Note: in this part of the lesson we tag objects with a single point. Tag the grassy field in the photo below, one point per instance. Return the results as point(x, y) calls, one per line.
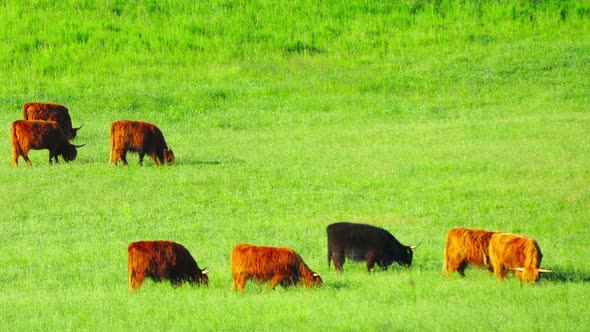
point(415, 116)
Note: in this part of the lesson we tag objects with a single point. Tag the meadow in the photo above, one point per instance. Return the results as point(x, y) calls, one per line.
point(286, 116)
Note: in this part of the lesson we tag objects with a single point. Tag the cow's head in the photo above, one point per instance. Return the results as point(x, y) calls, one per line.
point(315, 280)
point(201, 277)
point(168, 156)
point(70, 152)
point(74, 132)
point(407, 255)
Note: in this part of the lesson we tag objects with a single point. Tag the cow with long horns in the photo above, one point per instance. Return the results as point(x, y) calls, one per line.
point(38, 135)
point(466, 246)
point(162, 260)
point(279, 265)
point(141, 137)
point(518, 253)
point(51, 112)
point(361, 242)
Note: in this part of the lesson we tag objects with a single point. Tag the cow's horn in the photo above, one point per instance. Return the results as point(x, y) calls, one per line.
point(205, 271)
point(517, 269)
point(79, 146)
point(316, 274)
point(78, 127)
point(416, 246)
point(544, 270)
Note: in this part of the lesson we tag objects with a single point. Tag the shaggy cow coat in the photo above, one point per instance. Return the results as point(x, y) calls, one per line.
point(51, 112)
point(464, 246)
point(38, 135)
point(162, 260)
point(511, 251)
point(361, 242)
point(140, 137)
point(279, 265)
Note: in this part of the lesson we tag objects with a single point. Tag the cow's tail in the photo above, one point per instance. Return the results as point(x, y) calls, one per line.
point(446, 255)
point(15, 145)
point(112, 144)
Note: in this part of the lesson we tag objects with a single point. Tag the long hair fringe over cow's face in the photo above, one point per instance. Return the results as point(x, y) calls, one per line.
point(168, 156)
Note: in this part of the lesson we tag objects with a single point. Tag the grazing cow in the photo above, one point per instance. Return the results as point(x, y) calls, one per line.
point(51, 112)
point(518, 253)
point(162, 260)
point(141, 137)
point(39, 135)
point(368, 243)
point(465, 246)
point(280, 265)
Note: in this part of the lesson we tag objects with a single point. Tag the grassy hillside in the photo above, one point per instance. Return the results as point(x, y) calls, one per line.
point(415, 116)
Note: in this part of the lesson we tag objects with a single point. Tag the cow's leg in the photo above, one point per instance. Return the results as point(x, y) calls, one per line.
point(276, 280)
point(123, 156)
point(338, 259)
point(15, 154)
point(370, 261)
point(155, 159)
point(239, 282)
point(141, 155)
point(461, 268)
point(26, 158)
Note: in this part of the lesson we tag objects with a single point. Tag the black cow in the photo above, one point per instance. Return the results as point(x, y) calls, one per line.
point(368, 243)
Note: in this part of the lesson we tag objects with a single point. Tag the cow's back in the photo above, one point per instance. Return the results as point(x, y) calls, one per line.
point(357, 239)
point(50, 112)
point(36, 134)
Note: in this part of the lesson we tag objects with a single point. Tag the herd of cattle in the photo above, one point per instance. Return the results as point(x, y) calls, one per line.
point(498, 252)
point(49, 126)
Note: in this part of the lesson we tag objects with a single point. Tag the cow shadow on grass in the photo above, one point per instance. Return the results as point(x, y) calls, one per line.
point(198, 162)
point(564, 276)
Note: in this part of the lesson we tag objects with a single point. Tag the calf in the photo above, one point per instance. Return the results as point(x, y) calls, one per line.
point(38, 135)
point(162, 260)
point(280, 265)
point(141, 137)
point(361, 242)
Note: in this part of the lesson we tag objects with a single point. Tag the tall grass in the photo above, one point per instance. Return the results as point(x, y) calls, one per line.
point(416, 116)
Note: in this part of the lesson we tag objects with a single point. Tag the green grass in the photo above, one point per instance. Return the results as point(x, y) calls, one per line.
point(416, 116)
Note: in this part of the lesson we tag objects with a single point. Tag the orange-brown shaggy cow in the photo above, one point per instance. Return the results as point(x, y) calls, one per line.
point(518, 253)
point(279, 265)
point(162, 260)
point(51, 112)
point(465, 246)
point(38, 135)
point(141, 137)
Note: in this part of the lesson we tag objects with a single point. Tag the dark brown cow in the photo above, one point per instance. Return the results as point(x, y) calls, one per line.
point(361, 242)
point(464, 246)
point(38, 135)
point(162, 260)
point(141, 137)
point(518, 253)
point(51, 112)
point(280, 265)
